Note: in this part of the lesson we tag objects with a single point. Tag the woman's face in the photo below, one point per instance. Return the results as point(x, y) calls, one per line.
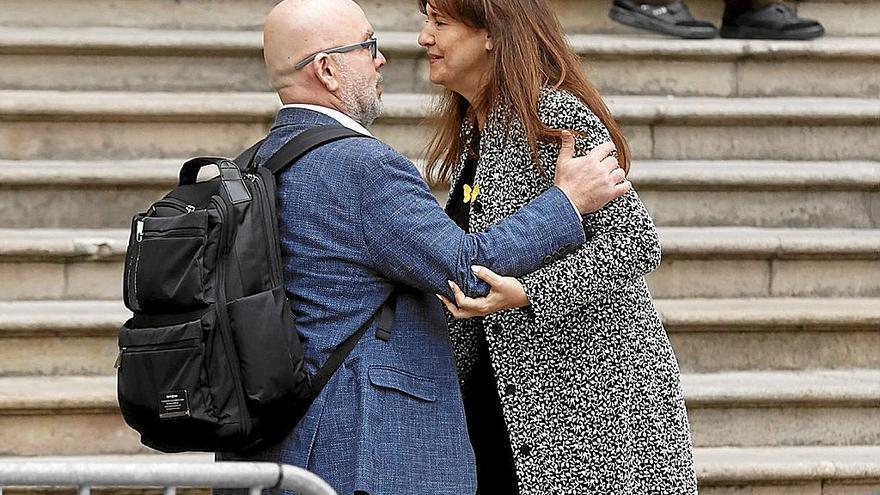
point(458, 54)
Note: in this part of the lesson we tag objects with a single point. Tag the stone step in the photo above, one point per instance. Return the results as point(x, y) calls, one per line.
point(852, 18)
point(55, 338)
point(61, 415)
point(722, 262)
point(132, 59)
point(721, 471)
point(788, 470)
point(81, 194)
point(52, 338)
point(61, 264)
point(760, 193)
point(780, 408)
point(49, 264)
point(101, 194)
point(714, 335)
point(126, 125)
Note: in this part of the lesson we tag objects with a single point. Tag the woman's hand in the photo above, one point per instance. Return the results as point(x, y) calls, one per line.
point(505, 293)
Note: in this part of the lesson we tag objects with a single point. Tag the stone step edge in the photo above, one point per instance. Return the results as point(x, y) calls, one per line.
point(768, 243)
point(765, 389)
point(769, 314)
point(714, 465)
point(66, 245)
point(43, 319)
point(654, 174)
point(722, 465)
point(32, 105)
point(103, 318)
point(138, 41)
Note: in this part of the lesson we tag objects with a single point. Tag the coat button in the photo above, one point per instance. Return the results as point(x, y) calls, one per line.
point(525, 450)
point(477, 207)
point(510, 389)
point(495, 328)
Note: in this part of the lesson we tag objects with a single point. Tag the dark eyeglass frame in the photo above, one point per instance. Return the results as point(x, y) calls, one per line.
point(372, 44)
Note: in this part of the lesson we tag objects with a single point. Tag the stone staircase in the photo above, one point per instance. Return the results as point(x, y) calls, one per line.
point(757, 159)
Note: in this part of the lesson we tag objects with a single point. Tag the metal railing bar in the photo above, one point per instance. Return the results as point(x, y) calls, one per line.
point(170, 490)
point(254, 475)
point(293, 478)
point(220, 475)
point(84, 490)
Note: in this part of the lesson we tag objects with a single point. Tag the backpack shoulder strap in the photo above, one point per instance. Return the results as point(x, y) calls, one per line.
point(246, 159)
point(305, 142)
point(283, 158)
point(337, 357)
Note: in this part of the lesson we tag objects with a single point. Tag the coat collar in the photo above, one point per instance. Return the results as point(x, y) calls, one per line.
point(333, 113)
point(311, 115)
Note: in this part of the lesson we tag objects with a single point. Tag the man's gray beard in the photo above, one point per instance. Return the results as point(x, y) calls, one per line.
point(359, 97)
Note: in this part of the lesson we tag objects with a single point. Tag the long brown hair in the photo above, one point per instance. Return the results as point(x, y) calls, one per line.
point(530, 52)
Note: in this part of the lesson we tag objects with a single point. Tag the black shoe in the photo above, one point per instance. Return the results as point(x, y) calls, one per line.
point(774, 22)
point(673, 19)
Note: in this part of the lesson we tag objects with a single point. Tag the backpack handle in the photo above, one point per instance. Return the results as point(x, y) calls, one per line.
point(230, 174)
point(189, 173)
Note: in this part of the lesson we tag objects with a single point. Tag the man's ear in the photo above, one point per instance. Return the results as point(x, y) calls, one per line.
point(325, 70)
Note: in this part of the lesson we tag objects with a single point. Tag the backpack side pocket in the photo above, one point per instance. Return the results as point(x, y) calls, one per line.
point(165, 266)
point(269, 351)
point(163, 380)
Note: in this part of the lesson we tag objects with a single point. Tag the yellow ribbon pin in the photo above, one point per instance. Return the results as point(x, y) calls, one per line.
point(471, 193)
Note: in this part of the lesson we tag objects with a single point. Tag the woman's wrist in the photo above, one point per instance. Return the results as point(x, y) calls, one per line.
point(520, 299)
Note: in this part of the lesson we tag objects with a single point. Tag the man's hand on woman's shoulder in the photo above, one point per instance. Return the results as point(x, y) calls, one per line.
point(590, 181)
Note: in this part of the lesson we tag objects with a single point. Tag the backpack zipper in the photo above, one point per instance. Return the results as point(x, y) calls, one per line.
point(272, 224)
point(133, 266)
point(172, 233)
point(175, 203)
point(223, 316)
point(171, 346)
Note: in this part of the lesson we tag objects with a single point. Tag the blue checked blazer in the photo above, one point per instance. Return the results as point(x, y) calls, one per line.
point(357, 219)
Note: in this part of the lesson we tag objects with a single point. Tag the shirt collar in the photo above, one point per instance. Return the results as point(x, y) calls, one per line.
point(334, 114)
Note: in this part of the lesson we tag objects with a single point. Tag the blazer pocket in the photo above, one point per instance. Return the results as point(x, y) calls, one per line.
point(415, 386)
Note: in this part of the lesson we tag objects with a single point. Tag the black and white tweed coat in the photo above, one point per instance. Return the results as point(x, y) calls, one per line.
point(589, 384)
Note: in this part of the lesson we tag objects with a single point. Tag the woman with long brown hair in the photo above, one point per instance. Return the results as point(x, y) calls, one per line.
point(578, 390)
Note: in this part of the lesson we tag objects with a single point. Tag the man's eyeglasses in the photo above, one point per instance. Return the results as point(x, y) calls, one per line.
point(371, 43)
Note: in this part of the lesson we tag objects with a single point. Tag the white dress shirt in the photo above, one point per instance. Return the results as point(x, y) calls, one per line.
point(334, 114)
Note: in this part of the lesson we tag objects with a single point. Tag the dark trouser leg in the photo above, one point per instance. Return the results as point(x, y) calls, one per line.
point(746, 5)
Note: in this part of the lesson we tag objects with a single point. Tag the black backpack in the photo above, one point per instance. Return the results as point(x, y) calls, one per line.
point(210, 360)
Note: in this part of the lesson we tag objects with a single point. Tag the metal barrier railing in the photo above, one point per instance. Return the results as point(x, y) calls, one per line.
point(254, 476)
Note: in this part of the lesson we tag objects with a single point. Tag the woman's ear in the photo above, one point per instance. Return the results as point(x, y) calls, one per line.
point(490, 43)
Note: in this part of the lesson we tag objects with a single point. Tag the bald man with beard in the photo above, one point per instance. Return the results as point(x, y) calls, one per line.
point(358, 224)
